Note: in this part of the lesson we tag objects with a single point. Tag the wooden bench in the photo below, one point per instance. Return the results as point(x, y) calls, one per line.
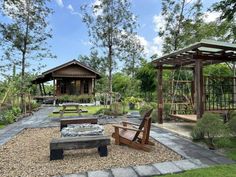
point(65, 122)
point(57, 146)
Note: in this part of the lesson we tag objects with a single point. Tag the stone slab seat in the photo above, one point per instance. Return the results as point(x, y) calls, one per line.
point(64, 122)
point(58, 145)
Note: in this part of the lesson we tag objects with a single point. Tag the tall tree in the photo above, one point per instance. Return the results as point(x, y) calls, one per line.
point(134, 55)
point(147, 74)
point(109, 23)
point(94, 61)
point(25, 33)
point(178, 15)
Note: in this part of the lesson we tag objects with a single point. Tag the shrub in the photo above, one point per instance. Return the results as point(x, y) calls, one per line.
point(9, 116)
point(232, 125)
point(116, 109)
point(211, 127)
point(74, 98)
point(101, 111)
point(144, 109)
point(16, 111)
point(154, 116)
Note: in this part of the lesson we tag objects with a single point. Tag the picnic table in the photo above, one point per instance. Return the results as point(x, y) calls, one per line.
point(66, 105)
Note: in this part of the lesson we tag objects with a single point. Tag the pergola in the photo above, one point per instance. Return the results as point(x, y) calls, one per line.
point(193, 57)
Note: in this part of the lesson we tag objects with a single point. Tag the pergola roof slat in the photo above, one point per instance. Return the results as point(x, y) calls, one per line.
point(205, 49)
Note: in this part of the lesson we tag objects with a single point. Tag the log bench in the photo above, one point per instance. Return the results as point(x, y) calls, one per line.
point(57, 146)
point(65, 122)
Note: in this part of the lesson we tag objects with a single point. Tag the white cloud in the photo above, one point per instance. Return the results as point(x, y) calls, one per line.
point(150, 48)
point(98, 11)
point(210, 16)
point(159, 22)
point(60, 3)
point(70, 7)
point(72, 10)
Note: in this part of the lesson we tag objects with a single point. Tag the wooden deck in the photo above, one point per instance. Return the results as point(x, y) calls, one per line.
point(189, 117)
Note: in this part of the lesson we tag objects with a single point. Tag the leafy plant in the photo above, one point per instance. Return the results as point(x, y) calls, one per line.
point(211, 127)
point(232, 125)
point(144, 109)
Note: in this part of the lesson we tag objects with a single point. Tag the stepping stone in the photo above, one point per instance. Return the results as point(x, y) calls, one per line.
point(203, 162)
point(186, 164)
point(221, 160)
point(99, 173)
point(75, 175)
point(123, 172)
point(146, 170)
point(167, 167)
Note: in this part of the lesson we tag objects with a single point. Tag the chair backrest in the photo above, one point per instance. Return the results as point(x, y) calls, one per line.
point(145, 117)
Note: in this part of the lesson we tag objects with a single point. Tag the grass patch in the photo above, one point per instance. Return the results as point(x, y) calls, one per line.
point(229, 147)
point(217, 171)
point(2, 126)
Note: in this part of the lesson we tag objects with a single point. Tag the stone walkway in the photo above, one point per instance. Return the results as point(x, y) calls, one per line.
point(194, 156)
point(38, 119)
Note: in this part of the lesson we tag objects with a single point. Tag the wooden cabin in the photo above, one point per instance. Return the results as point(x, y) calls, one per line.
point(72, 78)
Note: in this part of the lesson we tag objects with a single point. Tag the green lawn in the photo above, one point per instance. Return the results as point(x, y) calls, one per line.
point(2, 126)
point(217, 171)
point(230, 148)
point(91, 111)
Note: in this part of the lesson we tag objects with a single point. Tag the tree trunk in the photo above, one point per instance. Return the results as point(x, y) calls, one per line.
point(24, 51)
point(110, 73)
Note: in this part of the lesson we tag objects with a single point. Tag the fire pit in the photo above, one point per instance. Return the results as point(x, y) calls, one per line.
point(82, 130)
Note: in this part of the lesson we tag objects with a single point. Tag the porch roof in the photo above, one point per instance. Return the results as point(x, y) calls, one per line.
point(209, 51)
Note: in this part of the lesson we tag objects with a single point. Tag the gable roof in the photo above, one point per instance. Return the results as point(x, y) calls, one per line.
point(48, 75)
point(74, 61)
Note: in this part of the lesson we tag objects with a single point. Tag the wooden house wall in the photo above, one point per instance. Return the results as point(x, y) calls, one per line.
point(73, 70)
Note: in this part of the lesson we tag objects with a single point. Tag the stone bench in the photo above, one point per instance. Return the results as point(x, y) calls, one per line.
point(65, 122)
point(57, 146)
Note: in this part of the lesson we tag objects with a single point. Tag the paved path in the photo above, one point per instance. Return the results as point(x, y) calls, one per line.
point(194, 156)
point(38, 119)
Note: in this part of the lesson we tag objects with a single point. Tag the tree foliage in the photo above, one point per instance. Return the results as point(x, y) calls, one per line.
point(182, 20)
point(25, 35)
point(109, 23)
point(147, 74)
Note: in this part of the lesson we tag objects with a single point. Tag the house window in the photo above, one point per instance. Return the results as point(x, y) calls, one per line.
point(86, 87)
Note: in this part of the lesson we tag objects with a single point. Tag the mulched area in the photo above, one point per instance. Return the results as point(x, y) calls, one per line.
point(27, 154)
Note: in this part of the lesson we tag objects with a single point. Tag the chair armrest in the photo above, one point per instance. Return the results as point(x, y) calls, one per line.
point(130, 123)
point(127, 128)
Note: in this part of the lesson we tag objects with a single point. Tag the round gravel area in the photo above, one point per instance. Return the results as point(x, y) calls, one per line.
point(27, 154)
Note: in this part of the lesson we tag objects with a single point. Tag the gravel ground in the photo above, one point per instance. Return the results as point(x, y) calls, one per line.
point(27, 154)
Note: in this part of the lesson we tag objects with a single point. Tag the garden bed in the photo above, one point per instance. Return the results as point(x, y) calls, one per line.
point(27, 154)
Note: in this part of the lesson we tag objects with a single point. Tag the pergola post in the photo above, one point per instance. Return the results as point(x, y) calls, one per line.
point(159, 96)
point(198, 78)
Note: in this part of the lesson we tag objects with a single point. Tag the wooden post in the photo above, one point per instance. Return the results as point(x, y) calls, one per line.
point(198, 88)
point(159, 96)
point(40, 88)
point(54, 93)
point(44, 92)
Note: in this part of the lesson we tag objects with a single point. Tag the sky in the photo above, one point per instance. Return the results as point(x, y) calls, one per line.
point(70, 34)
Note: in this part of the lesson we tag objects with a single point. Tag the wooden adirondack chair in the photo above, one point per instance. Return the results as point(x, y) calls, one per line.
point(133, 137)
